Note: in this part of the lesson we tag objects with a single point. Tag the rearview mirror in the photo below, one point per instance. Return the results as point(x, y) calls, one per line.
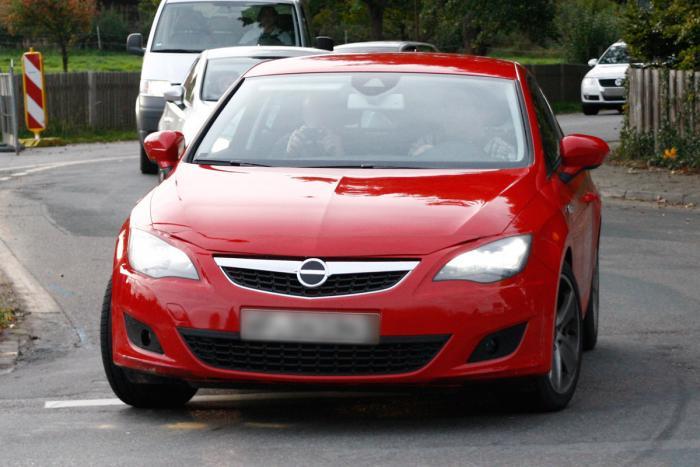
point(582, 152)
point(592, 62)
point(175, 95)
point(134, 44)
point(165, 148)
point(325, 43)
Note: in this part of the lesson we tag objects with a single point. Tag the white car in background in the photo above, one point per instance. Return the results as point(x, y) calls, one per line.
point(187, 106)
point(603, 87)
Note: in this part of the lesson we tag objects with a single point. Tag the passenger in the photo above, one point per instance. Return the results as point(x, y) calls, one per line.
point(464, 129)
point(266, 31)
point(315, 138)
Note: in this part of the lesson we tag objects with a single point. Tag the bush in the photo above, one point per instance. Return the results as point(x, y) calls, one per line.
point(587, 28)
point(113, 29)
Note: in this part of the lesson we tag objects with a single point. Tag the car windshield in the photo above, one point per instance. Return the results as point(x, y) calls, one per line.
point(380, 120)
point(221, 73)
point(193, 27)
point(615, 55)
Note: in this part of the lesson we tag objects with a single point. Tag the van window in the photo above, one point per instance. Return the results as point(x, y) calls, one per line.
point(196, 26)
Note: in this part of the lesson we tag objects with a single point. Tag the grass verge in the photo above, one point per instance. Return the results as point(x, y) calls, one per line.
point(566, 107)
point(9, 307)
point(78, 136)
point(78, 60)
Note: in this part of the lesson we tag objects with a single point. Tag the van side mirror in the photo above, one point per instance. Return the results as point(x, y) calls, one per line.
point(592, 62)
point(165, 148)
point(325, 43)
point(134, 44)
point(175, 95)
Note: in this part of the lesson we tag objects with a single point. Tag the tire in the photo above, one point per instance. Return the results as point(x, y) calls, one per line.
point(554, 390)
point(590, 322)
point(589, 109)
point(147, 167)
point(151, 396)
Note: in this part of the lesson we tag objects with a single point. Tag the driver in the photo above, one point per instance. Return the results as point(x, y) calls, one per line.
point(266, 32)
point(315, 138)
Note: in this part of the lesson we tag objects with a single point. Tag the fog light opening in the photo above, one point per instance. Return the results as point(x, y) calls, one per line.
point(141, 336)
point(498, 344)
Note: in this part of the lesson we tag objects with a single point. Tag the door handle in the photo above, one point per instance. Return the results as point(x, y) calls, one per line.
point(590, 197)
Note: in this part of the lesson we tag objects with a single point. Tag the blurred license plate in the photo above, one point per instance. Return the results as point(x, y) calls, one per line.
point(312, 327)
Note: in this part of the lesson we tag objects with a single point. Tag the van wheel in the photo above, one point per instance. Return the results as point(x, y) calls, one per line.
point(152, 396)
point(147, 167)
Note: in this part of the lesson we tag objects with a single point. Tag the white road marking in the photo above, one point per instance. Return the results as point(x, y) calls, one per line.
point(215, 398)
point(4, 179)
point(55, 165)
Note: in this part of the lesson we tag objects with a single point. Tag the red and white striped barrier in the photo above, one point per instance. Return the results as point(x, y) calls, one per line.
point(35, 115)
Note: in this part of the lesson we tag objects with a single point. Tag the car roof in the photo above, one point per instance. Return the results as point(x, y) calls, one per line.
point(234, 1)
point(378, 44)
point(437, 63)
point(271, 51)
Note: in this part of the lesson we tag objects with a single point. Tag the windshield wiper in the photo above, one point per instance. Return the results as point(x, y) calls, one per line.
point(233, 163)
point(178, 51)
point(362, 166)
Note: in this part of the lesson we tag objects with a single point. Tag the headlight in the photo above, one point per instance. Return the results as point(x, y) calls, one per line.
point(589, 82)
point(153, 257)
point(154, 88)
point(489, 263)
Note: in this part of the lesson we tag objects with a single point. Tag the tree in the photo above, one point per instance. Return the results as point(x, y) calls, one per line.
point(587, 27)
point(61, 21)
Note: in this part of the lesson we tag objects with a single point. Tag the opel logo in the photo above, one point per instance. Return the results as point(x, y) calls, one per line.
point(312, 273)
point(619, 82)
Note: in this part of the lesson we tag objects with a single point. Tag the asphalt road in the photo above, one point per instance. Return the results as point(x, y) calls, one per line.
point(637, 401)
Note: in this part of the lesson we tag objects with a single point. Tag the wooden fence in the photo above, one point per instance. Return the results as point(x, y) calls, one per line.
point(106, 100)
point(657, 97)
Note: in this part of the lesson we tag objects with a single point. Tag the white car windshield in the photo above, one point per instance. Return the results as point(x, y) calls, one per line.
point(222, 72)
point(193, 27)
point(615, 55)
point(370, 120)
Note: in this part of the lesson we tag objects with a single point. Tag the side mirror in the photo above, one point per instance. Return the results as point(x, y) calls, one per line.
point(134, 44)
point(325, 43)
point(582, 152)
point(175, 95)
point(165, 148)
point(592, 62)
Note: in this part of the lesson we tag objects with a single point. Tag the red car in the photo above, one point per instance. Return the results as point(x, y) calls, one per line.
point(361, 220)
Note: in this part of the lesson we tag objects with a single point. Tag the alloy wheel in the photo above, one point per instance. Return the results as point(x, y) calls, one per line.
point(567, 338)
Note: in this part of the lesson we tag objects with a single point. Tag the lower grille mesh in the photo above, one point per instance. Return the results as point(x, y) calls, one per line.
point(393, 355)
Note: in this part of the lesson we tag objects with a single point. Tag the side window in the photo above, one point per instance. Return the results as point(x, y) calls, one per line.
point(191, 82)
point(547, 124)
point(306, 27)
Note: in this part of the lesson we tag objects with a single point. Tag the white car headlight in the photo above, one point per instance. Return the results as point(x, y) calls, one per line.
point(154, 88)
point(589, 82)
point(156, 258)
point(492, 262)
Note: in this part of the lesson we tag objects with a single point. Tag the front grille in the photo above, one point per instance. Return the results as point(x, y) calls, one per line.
point(338, 284)
point(393, 355)
point(609, 83)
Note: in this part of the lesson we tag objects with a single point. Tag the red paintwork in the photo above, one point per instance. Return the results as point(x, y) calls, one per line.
point(583, 151)
point(165, 148)
point(431, 215)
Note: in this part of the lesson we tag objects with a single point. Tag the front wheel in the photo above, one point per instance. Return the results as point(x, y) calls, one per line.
point(589, 109)
point(554, 390)
point(590, 322)
point(153, 396)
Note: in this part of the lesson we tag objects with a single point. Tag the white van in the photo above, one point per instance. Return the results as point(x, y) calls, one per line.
point(182, 29)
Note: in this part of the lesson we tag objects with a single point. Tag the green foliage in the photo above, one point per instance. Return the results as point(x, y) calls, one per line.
point(113, 29)
point(587, 27)
point(147, 11)
point(665, 32)
point(668, 149)
point(81, 60)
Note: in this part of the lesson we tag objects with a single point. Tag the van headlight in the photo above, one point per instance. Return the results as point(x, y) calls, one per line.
point(156, 258)
point(492, 262)
point(154, 88)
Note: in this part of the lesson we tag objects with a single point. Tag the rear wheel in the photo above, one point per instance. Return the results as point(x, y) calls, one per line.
point(554, 390)
point(147, 167)
point(142, 395)
point(589, 109)
point(590, 323)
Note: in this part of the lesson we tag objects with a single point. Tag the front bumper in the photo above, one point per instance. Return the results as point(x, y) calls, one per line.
point(596, 94)
point(149, 109)
point(464, 312)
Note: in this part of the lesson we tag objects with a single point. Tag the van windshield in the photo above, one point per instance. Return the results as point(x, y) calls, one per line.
point(196, 26)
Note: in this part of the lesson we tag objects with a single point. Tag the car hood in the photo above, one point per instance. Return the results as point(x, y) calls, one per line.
point(332, 212)
point(608, 71)
point(172, 67)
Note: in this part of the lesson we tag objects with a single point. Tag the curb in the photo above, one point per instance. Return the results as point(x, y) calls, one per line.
point(689, 200)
